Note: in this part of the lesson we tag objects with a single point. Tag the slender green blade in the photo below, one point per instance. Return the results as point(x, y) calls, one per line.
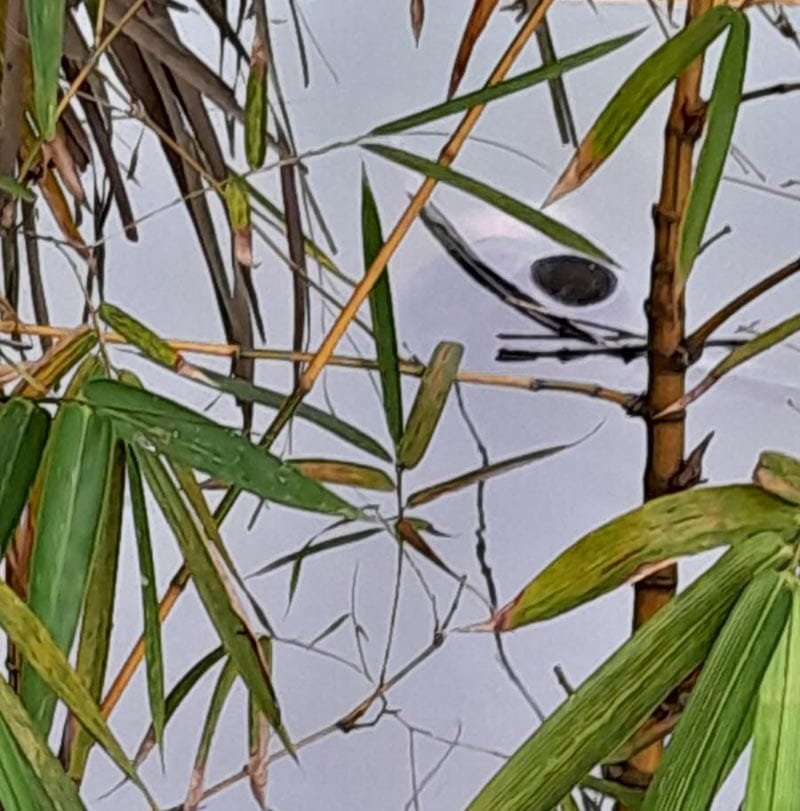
point(660, 531)
point(175, 698)
point(95, 636)
point(736, 357)
point(617, 698)
point(255, 105)
point(721, 118)
point(382, 311)
point(543, 223)
point(215, 593)
point(16, 190)
point(46, 33)
point(140, 336)
point(692, 769)
point(154, 659)
point(44, 658)
point(23, 433)
point(48, 780)
point(55, 363)
point(20, 790)
point(275, 399)
point(437, 380)
point(146, 420)
point(69, 522)
point(507, 87)
point(773, 782)
point(637, 93)
point(481, 474)
point(219, 696)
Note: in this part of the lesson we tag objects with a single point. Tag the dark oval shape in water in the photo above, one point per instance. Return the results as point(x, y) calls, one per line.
point(573, 280)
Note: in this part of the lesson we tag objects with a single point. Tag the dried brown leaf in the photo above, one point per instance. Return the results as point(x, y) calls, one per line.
point(478, 18)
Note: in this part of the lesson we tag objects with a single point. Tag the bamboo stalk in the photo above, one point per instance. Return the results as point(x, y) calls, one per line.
point(666, 346)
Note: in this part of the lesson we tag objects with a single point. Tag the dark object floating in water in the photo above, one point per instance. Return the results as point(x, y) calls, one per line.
point(573, 280)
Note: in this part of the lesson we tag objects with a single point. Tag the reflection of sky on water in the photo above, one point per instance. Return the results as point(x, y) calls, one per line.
point(533, 513)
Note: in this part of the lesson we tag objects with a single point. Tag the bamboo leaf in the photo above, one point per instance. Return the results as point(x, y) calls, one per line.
point(479, 16)
point(69, 522)
point(382, 311)
point(417, 9)
point(721, 118)
point(146, 420)
point(637, 93)
point(255, 105)
point(98, 610)
point(437, 380)
point(345, 473)
point(237, 203)
point(46, 32)
point(616, 699)
point(635, 543)
point(140, 336)
point(258, 741)
point(741, 354)
point(691, 772)
point(176, 696)
point(90, 367)
point(407, 532)
point(150, 608)
point(779, 474)
point(55, 363)
point(215, 593)
point(49, 780)
point(483, 473)
point(322, 419)
point(16, 190)
point(43, 657)
point(543, 223)
point(773, 782)
point(20, 789)
point(629, 797)
point(23, 433)
point(321, 546)
point(507, 87)
point(218, 697)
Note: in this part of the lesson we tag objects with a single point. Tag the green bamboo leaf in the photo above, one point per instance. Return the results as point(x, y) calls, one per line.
point(633, 544)
point(98, 610)
point(69, 522)
point(480, 474)
point(48, 781)
point(140, 336)
point(175, 697)
point(721, 118)
point(437, 380)
point(350, 474)
point(90, 367)
point(736, 357)
point(274, 399)
point(779, 474)
point(154, 659)
point(507, 87)
point(55, 363)
point(546, 225)
point(218, 698)
point(146, 420)
point(44, 658)
point(16, 190)
point(309, 549)
point(46, 33)
point(773, 782)
point(569, 804)
point(215, 593)
point(617, 698)
point(629, 797)
point(23, 433)
point(237, 202)
point(255, 105)
point(382, 311)
point(20, 789)
point(637, 93)
point(691, 772)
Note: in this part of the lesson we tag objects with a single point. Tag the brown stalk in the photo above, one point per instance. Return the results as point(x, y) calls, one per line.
point(666, 347)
